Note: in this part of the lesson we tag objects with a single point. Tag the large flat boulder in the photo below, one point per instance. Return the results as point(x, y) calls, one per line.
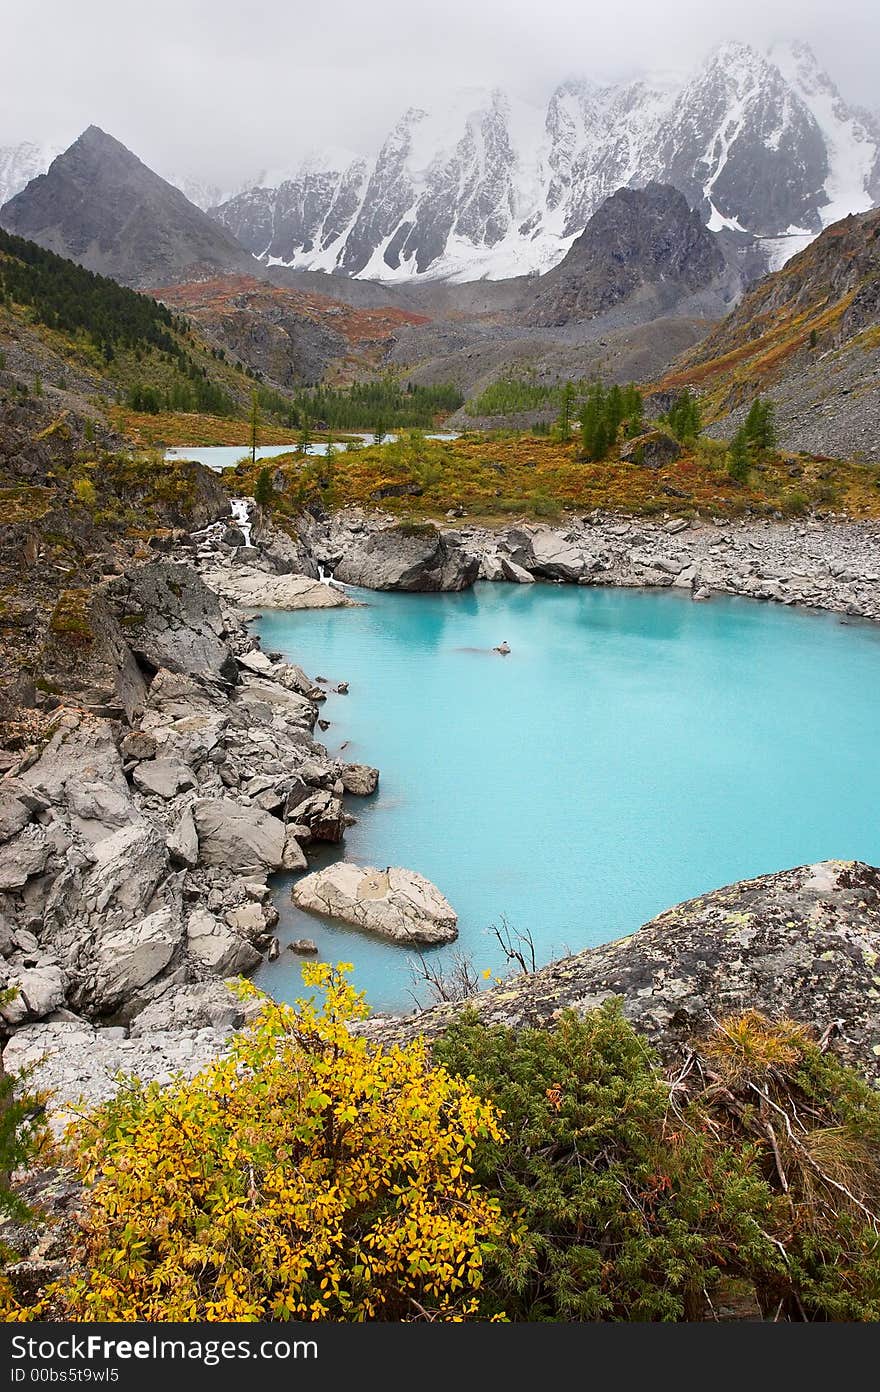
point(394, 903)
point(259, 589)
point(238, 837)
point(408, 557)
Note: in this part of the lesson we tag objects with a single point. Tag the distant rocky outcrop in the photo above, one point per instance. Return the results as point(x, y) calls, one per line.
point(643, 248)
point(100, 206)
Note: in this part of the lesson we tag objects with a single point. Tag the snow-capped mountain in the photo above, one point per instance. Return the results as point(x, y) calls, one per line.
point(21, 163)
point(492, 187)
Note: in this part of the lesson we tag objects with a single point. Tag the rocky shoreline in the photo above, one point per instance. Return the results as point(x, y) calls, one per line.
point(138, 838)
point(137, 842)
point(832, 564)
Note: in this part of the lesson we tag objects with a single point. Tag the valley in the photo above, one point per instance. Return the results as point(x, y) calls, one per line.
point(440, 559)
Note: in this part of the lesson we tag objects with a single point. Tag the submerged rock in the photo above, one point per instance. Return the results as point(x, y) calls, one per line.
point(397, 904)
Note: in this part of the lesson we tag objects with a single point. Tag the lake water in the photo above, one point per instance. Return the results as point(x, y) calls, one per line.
point(634, 750)
point(218, 457)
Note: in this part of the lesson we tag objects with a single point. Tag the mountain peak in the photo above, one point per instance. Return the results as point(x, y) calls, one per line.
point(99, 205)
point(644, 248)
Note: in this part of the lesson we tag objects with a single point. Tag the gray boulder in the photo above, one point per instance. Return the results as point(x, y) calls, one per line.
point(24, 856)
point(171, 619)
point(163, 778)
point(514, 573)
point(218, 947)
point(408, 557)
point(653, 450)
point(183, 841)
point(394, 903)
point(359, 779)
point(14, 811)
point(127, 868)
point(239, 838)
point(40, 989)
point(127, 959)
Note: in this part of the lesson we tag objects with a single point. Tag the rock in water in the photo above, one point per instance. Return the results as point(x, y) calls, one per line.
point(397, 904)
point(408, 557)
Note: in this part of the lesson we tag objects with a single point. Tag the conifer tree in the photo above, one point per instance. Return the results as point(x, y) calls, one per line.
point(738, 457)
point(565, 410)
point(255, 426)
point(760, 426)
point(263, 491)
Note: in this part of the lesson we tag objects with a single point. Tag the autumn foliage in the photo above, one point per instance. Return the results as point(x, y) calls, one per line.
point(308, 1175)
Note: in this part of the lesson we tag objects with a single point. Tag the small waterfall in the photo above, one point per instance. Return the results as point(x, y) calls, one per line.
point(240, 509)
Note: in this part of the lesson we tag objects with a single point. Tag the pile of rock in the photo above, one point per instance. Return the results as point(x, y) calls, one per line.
point(135, 852)
point(832, 566)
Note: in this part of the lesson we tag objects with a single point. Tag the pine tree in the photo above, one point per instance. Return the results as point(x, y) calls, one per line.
point(305, 434)
point(683, 418)
point(760, 426)
point(263, 491)
point(563, 424)
point(738, 457)
point(255, 426)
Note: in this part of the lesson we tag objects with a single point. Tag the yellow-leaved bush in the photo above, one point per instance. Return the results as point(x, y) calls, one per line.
point(308, 1175)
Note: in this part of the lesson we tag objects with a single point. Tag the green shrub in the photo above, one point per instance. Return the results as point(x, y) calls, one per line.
point(641, 1201)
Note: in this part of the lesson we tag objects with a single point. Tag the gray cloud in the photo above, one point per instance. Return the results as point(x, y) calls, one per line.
point(219, 89)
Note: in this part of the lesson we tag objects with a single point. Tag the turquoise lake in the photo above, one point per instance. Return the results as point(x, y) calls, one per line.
point(634, 750)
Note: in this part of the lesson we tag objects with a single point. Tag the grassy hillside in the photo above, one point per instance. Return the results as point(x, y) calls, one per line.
point(64, 327)
point(496, 478)
point(809, 336)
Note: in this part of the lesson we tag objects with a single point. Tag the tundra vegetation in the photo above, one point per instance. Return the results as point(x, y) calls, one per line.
point(548, 1174)
point(498, 475)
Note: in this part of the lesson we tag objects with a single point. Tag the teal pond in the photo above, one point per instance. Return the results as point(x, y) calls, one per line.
point(633, 750)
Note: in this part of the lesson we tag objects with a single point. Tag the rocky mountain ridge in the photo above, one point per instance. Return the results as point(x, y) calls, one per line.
point(808, 336)
point(763, 144)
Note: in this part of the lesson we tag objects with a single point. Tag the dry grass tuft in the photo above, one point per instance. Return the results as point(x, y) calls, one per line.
point(750, 1048)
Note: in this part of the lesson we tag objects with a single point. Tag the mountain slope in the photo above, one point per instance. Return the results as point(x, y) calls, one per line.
point(68, 333)
point(808, 336)
point(100, 206)
point(491, 187)
point(291, 337)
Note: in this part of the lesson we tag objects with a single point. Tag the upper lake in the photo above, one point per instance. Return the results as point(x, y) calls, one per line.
point(219, 457)
point(634, 750)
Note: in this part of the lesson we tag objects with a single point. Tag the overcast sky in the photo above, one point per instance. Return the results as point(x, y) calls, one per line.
point(225, 88)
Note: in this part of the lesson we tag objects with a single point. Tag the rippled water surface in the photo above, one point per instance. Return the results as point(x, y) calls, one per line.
point(633, 750)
